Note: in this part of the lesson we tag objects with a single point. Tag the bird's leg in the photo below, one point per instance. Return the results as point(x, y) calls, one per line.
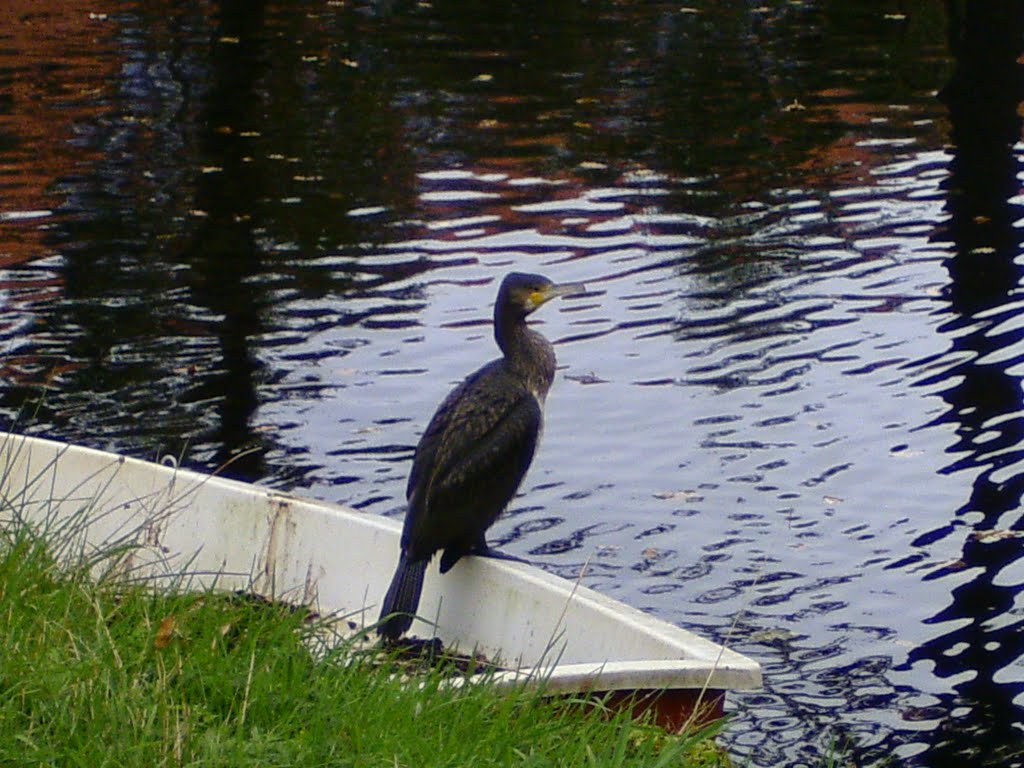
point(482, 549)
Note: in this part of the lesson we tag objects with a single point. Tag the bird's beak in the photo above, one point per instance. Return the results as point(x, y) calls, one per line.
point(553, 291)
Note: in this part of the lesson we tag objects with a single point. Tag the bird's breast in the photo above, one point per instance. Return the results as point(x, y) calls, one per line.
point(540, 394)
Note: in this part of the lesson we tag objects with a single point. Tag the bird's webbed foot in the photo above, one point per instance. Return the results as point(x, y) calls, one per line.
point(482, 549)
point(451, 556)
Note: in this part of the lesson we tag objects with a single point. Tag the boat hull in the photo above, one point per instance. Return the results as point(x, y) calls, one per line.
point(237, 536)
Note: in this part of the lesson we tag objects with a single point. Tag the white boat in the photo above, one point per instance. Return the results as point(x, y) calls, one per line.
point(237, 536)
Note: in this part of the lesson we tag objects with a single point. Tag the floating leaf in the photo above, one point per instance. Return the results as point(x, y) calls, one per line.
point(775, 635)
point(905, 453)
point(990, 537)
point(685, 495)
point(587, 378)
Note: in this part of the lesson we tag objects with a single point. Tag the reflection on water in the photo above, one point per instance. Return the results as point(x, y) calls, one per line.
point(788, 412)
point(982, 643)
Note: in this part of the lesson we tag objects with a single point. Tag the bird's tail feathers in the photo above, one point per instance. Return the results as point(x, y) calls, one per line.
point(402, 599)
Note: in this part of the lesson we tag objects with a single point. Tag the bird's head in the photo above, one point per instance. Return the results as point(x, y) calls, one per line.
point(521, 293)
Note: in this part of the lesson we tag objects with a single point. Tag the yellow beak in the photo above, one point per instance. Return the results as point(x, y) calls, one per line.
point(553, 291)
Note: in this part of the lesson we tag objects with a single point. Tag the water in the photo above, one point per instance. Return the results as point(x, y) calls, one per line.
point(788, 412)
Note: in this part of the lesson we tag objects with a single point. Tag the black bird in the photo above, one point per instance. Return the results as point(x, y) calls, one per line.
point(476, 449)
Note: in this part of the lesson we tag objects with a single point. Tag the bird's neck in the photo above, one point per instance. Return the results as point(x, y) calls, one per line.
point(527, 353)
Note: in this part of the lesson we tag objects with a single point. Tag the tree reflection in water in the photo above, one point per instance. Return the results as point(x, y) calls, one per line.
point(983, 721)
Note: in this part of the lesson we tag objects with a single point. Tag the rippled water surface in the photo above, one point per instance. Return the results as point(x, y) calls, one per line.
point(788, 413)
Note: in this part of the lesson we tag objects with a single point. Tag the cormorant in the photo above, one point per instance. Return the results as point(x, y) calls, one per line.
point(476, 449)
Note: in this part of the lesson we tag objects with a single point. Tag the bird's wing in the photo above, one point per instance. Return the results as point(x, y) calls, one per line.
point(468, 406)
point(484, 432)
point(504, 440)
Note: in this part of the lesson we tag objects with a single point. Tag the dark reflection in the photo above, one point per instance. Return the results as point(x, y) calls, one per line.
point(138, 361)
point(222, 252)
point(197, 202)
point(985, 404)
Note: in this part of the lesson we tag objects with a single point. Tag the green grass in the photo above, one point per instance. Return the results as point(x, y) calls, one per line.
point(100, 673)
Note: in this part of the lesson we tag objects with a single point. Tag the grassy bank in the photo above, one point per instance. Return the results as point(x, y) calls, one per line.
point(99, 673)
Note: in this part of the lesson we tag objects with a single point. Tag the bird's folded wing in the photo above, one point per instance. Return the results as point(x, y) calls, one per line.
point(504, 445)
